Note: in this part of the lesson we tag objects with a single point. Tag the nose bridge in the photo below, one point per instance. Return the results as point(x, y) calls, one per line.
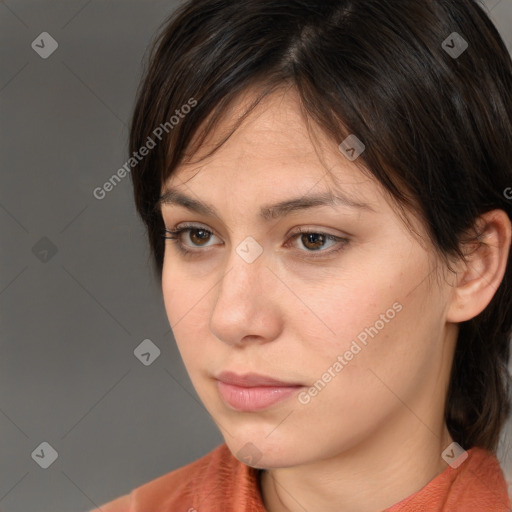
point(246, 267)
point(240, 304)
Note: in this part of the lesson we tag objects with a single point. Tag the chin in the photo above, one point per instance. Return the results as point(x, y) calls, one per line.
point(261, 453)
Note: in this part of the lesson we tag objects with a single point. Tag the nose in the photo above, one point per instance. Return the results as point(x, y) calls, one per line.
point(246, 305)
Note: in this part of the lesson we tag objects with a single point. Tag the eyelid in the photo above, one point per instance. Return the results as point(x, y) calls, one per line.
point(291, 232)
point(294, 231)
point(191, 251)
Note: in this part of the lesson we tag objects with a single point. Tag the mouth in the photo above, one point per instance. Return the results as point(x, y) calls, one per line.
point(253, 392)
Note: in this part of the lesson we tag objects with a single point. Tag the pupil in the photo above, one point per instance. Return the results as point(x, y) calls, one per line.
point(201, 237)
point(312, 236)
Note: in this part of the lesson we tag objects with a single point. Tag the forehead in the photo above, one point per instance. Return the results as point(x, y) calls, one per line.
point(274, 142)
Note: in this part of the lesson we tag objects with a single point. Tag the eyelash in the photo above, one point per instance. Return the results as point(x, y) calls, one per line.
point(175, 234)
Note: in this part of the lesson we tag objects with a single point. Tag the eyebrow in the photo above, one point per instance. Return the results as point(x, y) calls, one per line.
point(267, 212)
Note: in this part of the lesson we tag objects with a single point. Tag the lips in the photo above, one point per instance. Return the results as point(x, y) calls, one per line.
point(252, 392)
point(252, 380)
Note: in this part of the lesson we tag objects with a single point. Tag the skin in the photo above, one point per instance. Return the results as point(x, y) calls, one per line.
point(375, 433)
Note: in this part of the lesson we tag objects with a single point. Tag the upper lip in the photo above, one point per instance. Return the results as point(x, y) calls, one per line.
point(251, 380)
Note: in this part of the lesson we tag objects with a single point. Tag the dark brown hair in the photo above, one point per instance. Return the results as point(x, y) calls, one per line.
point(437, 129)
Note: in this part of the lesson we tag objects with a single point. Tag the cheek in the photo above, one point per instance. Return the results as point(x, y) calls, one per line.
point(359, 310)
point(183, 305)
point(379, 322)
point(182, 295)
point(384, 363)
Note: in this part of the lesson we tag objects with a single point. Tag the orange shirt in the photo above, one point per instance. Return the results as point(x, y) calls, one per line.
point(219, 482)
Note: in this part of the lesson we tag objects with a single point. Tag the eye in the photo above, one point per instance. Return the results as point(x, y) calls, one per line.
point(200, 236)
point(313, 240)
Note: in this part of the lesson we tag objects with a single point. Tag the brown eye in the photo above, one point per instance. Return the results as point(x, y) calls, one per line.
point(313, 241)
point(199, 236)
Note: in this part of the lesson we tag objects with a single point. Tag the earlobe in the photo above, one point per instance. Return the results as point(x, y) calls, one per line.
point(486, 262)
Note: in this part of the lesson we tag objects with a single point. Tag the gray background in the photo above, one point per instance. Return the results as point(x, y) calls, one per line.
point(77, 295)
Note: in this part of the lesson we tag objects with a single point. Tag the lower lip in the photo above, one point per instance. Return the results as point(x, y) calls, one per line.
point(254, 399)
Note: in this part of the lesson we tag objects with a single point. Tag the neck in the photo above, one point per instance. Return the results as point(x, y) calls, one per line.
point(365, 478)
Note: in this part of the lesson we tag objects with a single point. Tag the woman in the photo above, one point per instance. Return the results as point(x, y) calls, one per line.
point(324, 185)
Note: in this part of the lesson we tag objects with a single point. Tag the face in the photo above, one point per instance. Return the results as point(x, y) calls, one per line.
point(348, 311)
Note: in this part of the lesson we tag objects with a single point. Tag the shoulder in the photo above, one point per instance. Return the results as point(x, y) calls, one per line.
point(481, 483)
point(477, 484)
point(204, 482)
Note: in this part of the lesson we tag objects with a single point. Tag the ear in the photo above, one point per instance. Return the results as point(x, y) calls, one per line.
point(486, 261)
